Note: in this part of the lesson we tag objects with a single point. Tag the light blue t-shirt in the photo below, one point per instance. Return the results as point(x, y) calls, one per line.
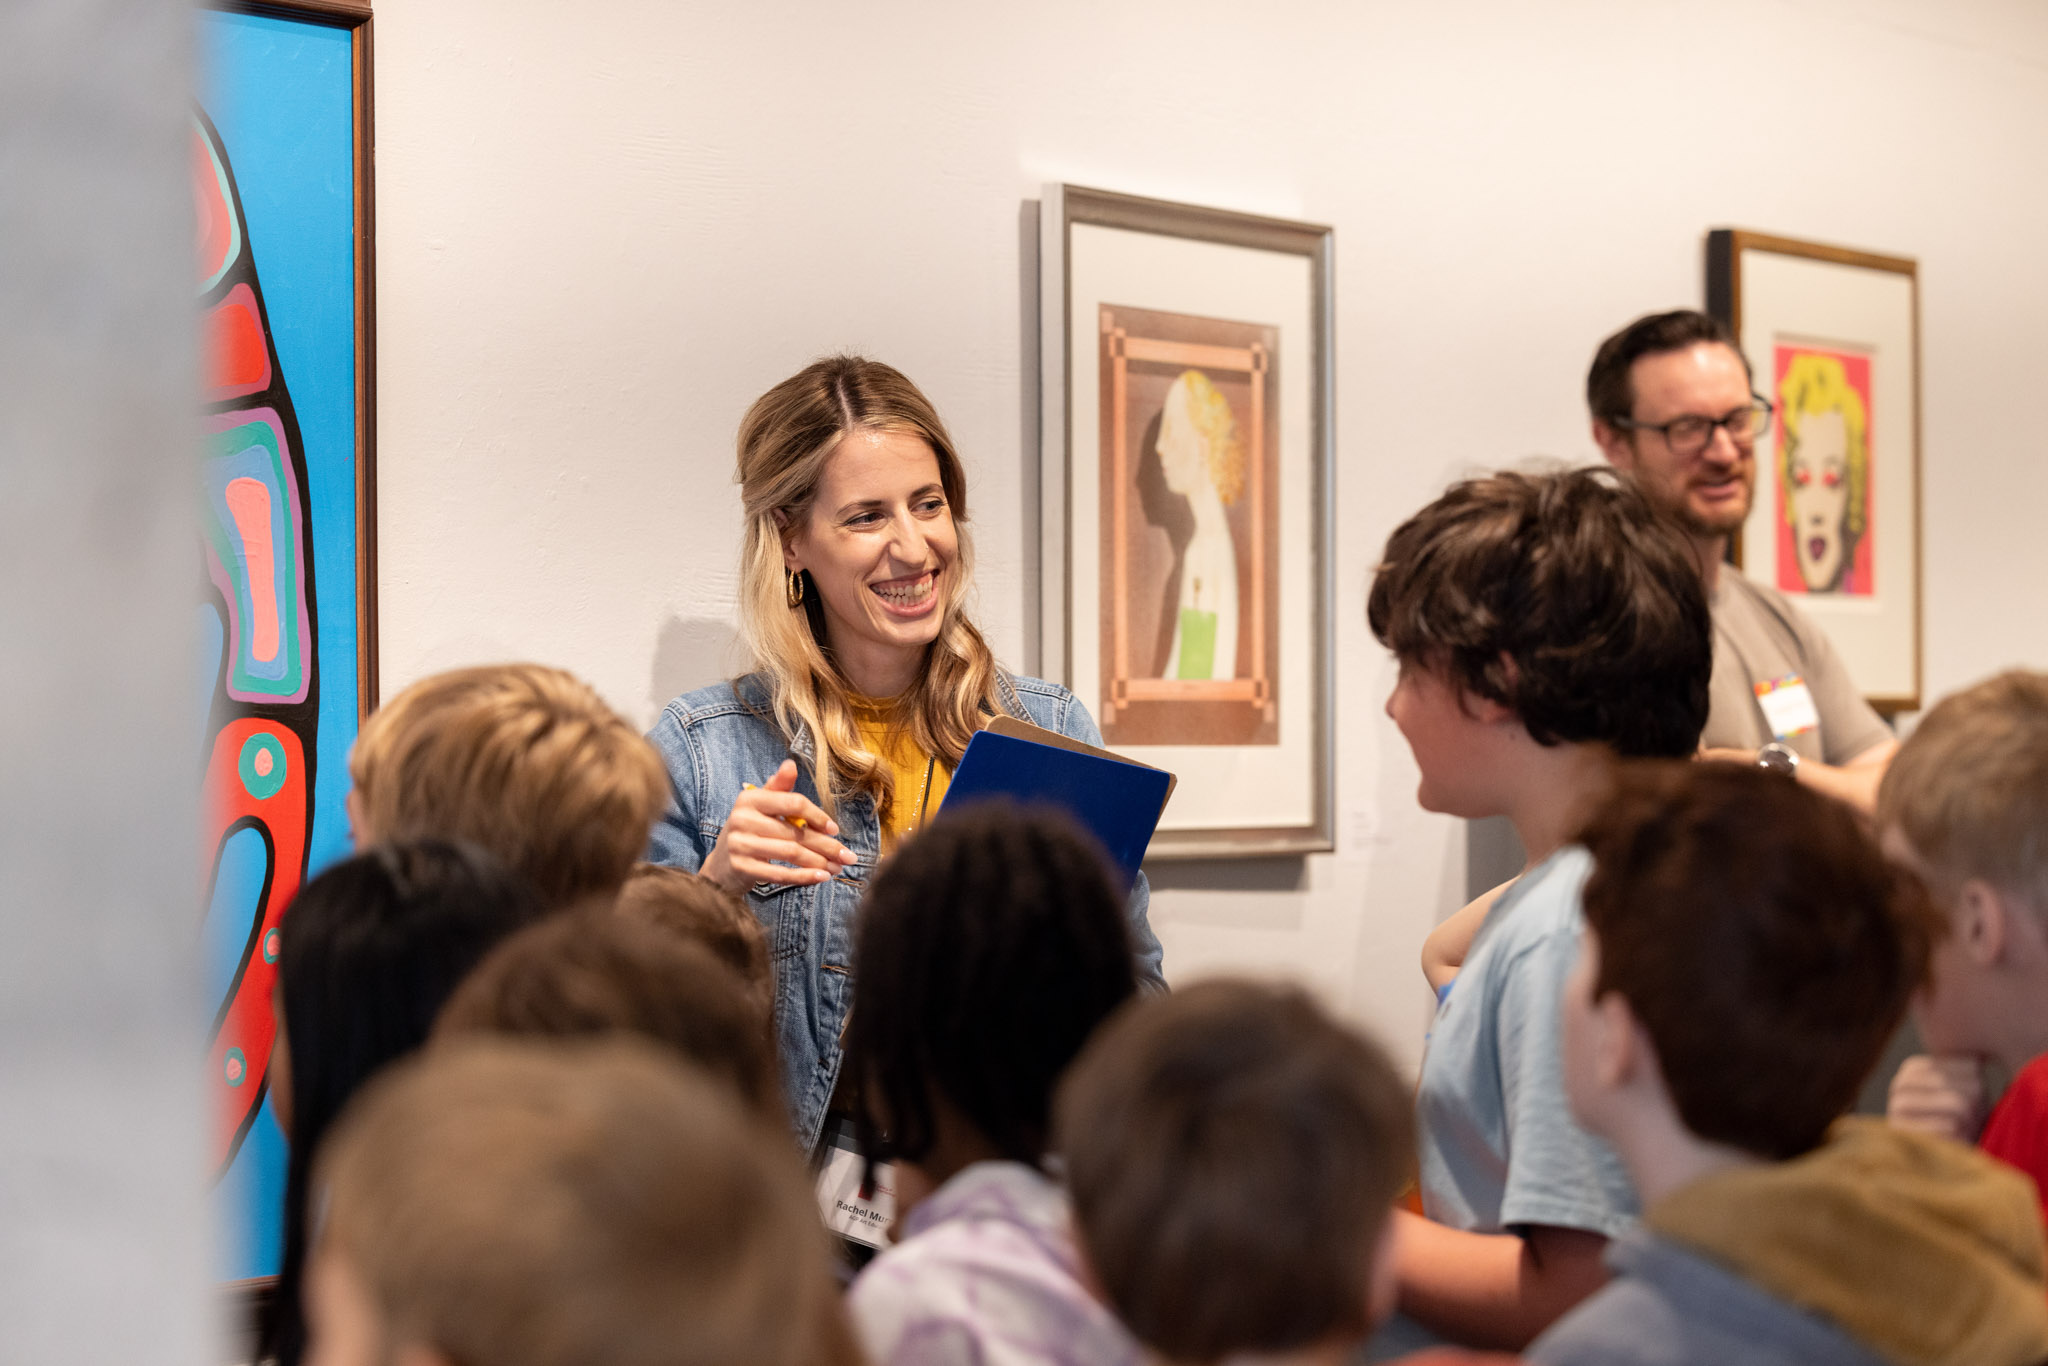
point(1499, 1148)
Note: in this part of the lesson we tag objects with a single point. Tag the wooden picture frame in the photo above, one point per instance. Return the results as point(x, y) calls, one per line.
point(283, 167)
point(1186, 465)
point(1832, 336)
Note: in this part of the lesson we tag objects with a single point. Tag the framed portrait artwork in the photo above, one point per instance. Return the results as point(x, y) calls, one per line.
point(279, 156)
point(1186, 466)
point(1832, 337)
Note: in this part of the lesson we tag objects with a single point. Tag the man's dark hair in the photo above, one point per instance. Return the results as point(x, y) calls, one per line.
point(1609, 391)
point(368, 952)
point(594, 972)
point(1233, 1154)
point(1767, 946)
point(1566, 597)
point(990, 947)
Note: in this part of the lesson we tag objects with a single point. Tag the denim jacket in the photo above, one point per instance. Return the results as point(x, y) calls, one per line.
point(717, 739)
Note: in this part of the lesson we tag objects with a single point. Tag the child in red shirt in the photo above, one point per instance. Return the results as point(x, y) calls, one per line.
point(2017, 1132)
point(1965, 804)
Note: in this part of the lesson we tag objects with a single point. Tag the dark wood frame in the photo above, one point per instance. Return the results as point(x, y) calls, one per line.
point(354, 15)
point(1724, 301)
point(1062, 207)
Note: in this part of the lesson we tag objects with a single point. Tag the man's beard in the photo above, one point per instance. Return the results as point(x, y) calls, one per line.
point(1724, 523)
point(1720, 524)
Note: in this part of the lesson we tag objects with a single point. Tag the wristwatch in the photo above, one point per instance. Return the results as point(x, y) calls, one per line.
point(1778, 757)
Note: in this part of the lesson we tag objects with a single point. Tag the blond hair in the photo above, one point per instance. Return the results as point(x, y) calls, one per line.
point(1211, 414)
point(785, 441)
point(1969, 789)
point(554, 1203)
point(524, 760)
point(1814, 386)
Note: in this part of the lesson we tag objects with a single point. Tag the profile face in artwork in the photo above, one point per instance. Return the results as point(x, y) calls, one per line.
point(1824, 472)
point(1189, 532)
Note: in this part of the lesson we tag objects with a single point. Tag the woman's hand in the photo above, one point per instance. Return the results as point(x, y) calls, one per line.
point(775, 834)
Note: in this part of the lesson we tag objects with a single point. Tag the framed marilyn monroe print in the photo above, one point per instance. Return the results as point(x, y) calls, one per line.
point(1832, 338)
point(1186, 469)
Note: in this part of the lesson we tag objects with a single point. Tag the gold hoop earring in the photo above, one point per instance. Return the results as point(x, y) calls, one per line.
point(793, 588)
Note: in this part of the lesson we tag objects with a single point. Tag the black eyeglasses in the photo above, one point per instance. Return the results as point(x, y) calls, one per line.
point(1691, 435)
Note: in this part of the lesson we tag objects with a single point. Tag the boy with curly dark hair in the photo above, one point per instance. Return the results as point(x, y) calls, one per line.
point(1546, 626)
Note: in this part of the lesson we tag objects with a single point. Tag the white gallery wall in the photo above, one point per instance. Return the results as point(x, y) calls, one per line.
point(603, 229)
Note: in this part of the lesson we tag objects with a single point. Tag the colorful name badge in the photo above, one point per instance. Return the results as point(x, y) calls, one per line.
point(1788, 706)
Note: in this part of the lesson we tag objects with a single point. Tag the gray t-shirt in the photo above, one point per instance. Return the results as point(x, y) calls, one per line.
point(1498, 1147)
point(1759, 637)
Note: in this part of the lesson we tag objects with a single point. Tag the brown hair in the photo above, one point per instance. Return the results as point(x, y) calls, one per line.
point(1565, 596)
point(784, 442)
point(1233, 1154)
point(591, 972)
point(524, 760)
point(1610, 388)
point(1766, 946)
point(555, 1204)
point(700, 911)
point(1969, 788)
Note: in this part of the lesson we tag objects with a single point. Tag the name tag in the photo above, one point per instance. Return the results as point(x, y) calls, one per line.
point(863, 1219)
point(1788, 706)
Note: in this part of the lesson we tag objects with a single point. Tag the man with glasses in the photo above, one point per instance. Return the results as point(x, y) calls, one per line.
point(1673, 406)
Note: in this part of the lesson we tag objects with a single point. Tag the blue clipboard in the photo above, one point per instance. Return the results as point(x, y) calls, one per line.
point(1115, 800)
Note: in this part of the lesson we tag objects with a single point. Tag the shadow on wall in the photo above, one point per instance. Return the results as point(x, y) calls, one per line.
point(1229, 875)
point(689, 653)
point(1493, 854)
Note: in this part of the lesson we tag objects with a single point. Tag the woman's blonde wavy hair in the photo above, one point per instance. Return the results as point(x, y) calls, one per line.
point(784, 442)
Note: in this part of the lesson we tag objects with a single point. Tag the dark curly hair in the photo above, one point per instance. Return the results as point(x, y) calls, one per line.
point(988, 950)
point(1564, 596)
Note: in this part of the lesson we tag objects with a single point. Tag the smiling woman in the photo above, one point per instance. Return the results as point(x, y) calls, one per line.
point(792, 782)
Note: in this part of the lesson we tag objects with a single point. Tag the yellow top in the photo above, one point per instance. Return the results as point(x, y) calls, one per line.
point(921, 780)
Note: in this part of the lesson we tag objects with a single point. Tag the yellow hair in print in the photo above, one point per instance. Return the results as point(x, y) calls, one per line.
point(1814, 385)
point(1218, 426)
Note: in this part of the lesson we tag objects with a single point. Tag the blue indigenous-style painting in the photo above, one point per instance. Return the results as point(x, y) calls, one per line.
point(273, 169)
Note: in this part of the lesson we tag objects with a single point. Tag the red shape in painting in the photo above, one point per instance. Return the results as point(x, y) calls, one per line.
point(248, 503)
point(246, 1024)
point(237, 360)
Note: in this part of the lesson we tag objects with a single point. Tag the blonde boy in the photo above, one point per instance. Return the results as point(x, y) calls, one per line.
point(521, 759)
point(555, 1204)
point(1965, 804)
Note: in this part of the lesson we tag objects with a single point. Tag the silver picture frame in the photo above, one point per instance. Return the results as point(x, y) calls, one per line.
point(1240, 308)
